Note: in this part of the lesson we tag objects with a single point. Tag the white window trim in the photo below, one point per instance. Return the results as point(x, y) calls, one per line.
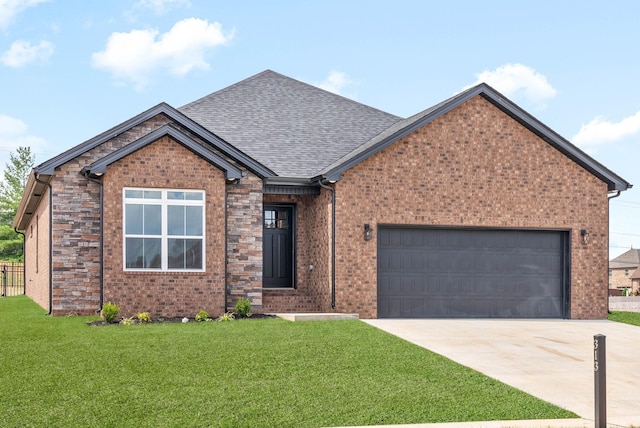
point(164, 202)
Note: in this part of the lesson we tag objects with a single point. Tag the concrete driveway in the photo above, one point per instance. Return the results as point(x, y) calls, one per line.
point(550, 359)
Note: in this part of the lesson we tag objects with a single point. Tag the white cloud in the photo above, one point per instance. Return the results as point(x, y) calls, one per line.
point(14, 133)
point(518, 81)
point(21, 53)
point(137, 55)
point(10, 8)
point(602, 131)
point(161, 7)
point(335, 82)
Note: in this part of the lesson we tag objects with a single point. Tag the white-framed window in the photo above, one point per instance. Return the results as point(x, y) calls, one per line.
point(164, 229)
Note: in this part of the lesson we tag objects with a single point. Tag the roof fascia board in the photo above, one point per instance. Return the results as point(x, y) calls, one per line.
point(100, 166)
point(49, 166)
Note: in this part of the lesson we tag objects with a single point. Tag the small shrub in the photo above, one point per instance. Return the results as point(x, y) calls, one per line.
point(227, 316)
point(243, 307)
point(126, 321)
point(110, 311)
point(202, 315)
point(144, 317)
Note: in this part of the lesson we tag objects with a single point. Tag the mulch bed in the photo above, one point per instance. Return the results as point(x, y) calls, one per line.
point(161, 320)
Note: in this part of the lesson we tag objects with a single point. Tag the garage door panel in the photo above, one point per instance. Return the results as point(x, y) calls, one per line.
point(470, 273)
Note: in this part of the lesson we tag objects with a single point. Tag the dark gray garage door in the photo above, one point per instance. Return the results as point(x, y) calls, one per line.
point(470, 273)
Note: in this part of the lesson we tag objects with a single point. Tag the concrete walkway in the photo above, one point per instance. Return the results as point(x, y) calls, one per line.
point(550, 359)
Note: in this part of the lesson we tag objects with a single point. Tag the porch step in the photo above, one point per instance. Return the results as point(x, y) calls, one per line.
point(315, 316)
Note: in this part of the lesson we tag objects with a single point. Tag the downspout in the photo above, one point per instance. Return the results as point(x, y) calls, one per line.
point(226, 248)
point(24, 260)
point(46, 183)
point(101, 280)
point(618, 193)
point(333, 241)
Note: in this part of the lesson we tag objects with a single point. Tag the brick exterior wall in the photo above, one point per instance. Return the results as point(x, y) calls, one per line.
point(37, 254)
point(313, 286)
point(473, 166)
point(169, 294)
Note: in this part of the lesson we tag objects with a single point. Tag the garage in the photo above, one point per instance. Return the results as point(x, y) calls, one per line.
point(472, 273)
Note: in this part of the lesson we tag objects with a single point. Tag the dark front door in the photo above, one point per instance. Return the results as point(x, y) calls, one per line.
point(278, 248)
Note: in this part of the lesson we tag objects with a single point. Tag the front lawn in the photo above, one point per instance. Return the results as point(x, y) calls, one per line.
point(632, 318)
point(268, 372)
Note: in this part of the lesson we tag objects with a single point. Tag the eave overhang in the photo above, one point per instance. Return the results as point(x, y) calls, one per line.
point(34, 191)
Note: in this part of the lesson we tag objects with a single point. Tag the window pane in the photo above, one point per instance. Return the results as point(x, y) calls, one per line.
point(152, 255)
point(142, 253)
point(152, 220)
point(133, 219)
point(133, 193)
point(175, 220)
point(193, 196)
point(153, 194)
point(185, 254)
point(175, 195)
point(194, 221)
point(269, 219)
point(134, 253)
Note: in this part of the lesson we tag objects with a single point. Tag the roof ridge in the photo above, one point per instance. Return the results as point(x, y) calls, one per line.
point(291, 79)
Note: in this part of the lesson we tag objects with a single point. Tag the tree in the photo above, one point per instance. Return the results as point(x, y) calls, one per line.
point(16, 173)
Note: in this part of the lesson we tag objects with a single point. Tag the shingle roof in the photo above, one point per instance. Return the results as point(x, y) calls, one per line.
point(292, 128)
point(627, 260)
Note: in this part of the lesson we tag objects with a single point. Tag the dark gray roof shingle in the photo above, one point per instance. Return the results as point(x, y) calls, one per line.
point(293, 128)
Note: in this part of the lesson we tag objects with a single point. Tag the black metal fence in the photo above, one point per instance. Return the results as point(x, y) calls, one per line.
point(12, 280)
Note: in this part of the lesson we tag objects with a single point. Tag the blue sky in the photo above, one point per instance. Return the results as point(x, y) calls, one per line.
point(71, 69)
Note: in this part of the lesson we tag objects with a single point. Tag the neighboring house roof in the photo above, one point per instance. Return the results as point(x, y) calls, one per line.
point(627, 260)
point(293, 128)
point(636, 274)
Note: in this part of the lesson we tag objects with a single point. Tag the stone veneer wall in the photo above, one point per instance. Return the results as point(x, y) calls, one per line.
point(244, 242)
point(168, 294)
point(313, 285)
point(474, 166)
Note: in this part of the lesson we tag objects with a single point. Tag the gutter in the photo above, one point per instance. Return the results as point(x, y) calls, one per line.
point(101, 278)
point(333, 241)
point(24, 259)
point(46, 183)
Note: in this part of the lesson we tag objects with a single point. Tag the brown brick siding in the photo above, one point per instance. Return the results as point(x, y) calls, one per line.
point(473, 166)
point(37, 254)
point(313, 286)
point(168, 294)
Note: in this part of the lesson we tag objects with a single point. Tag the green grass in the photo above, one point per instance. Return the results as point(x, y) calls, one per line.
point(61, 372)
point(632, 318)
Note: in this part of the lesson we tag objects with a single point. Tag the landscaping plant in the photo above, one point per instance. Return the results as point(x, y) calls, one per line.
point(109, 312)
point(243, 307)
